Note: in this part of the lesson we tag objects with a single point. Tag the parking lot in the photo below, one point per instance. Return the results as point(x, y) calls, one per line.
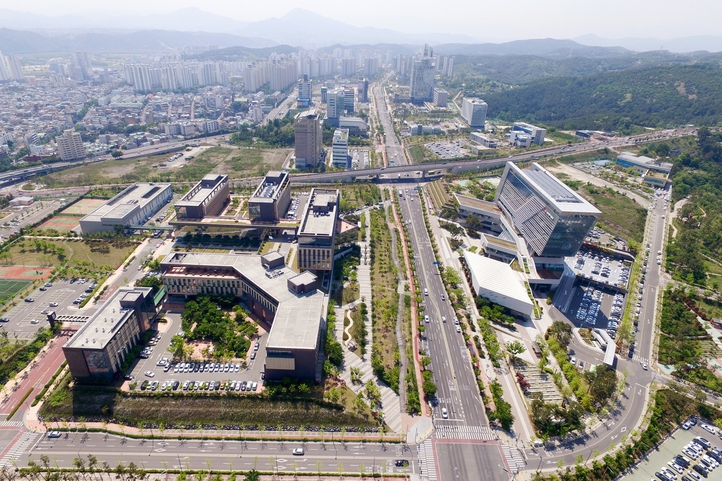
point(448, 150)
point(673, 446)
point(22, 316)
point(195, 371)
point(295, 208)
point(600, 268)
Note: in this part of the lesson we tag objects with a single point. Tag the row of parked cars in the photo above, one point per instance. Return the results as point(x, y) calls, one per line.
point(174, 385)
point(589, 307)
point(698, 458)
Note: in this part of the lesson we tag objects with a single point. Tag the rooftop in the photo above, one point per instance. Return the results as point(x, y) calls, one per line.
point(268, 190)
point(319, 216)
point(134, 197)
point(497, 276)
point(202, 190)
point(479, 204)
point(102, 326)
point(556, 192)
point(298, 317)
point(643, 161)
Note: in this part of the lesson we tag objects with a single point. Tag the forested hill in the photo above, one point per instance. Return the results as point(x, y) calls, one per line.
point(654, 97)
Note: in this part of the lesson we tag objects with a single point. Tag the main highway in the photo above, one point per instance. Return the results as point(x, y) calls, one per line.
point(466, 447)
point(394, 148)
point(331, 456)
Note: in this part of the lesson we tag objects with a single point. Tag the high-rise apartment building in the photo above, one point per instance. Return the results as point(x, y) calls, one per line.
point(348, 67)
point(340, 148)
point(473, 111)
point(83, 63)
point(422, 79)
point(70, 145)
point(309, 139)
point(16, 70)
point(551, 217)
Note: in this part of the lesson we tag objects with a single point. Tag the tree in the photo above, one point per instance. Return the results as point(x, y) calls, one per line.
point(514, 348)
point(116, 154)
point(429, 388)
point(177, 347)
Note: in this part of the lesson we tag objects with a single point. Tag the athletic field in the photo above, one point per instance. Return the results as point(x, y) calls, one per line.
point(61, 223)
point(83, 207)
point(8, 288)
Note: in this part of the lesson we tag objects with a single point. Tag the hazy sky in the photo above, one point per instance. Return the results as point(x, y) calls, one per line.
point(482, 19)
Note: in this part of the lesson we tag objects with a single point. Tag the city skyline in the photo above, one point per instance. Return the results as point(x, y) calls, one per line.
point(483, 23)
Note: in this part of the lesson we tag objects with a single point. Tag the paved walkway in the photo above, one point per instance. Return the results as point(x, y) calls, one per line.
point(390, 402)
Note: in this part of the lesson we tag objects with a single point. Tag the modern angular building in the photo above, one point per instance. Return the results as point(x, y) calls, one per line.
point(271, 199)
point(208, 198)
point(316, 234)
point(473, 111)
point(441, 97)
point(552, 219)
point(132, 207)
point(290, 302)
point(309, 139)
point(334, 105)
point(97, 351)
point(535, 133)
point(339, 157)
point(630, 159)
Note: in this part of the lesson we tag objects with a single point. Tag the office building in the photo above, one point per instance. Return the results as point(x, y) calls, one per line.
point(308, 130)
point(349, 103)
point(536, 134)
point(481, 139)
point(324, 94)
point(422, 80)
point(362, 91)
point(97, 351)
point(270, 201)
point(630, 159)
point(473, 111)
point(208, 198)
point(339, 157)
point(355, 125)
point(135, 206)
point(70, 145)
point(305, 90)
point(552, 219)
point(316, 234)
point(441, 97)
point(290, 302)
point(517, 138)
point(499, 283)
point(335, 105)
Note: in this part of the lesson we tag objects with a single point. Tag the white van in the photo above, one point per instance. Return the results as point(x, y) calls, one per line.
point(426, 291)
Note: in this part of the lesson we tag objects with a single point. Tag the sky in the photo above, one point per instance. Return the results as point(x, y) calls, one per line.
point(481, 19)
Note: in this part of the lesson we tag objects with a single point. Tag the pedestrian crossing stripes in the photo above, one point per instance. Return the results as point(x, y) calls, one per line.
point(426, 460)
point(483, 433)
point(18, 449)
point(15, 424)
point(514, 458)
point(639, 358)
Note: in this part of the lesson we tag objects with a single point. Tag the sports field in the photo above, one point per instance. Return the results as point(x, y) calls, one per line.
point(61, 223)
point(22, 273)
point(83, 207)
point(8, 288)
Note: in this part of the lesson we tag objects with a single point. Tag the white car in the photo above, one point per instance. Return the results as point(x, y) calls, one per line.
point(444, 413)
point(150, 373)
point(709, 429)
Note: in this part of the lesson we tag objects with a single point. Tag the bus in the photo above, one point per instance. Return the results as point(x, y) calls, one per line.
point(401, 192)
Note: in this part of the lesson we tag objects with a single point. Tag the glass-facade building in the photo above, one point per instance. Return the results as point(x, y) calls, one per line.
point(552, 218)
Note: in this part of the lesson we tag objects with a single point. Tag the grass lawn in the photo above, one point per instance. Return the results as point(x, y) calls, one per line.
point(9, 288)
point(344, 295)
point(416, 153)
point(621, 215)
point(204, 408)
point(88, 254)
point(384, 281)
point(237, 163)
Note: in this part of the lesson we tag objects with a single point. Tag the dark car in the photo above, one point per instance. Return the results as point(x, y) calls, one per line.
point(401, 463)
point(29, 299)
point(662, 476)
point(681, 461)
point(144, 385)
point(700, 470)
point(4, 319)
point(128, 377)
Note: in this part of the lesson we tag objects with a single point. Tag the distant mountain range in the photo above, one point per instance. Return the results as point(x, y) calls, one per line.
point(542, 47)
point(676, 45)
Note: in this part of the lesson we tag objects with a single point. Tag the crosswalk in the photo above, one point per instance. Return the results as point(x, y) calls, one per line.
point(427, 462)
point(482, 433)
point(513, 457)
point(639, 358)
point(18, 449)
point(14, 424)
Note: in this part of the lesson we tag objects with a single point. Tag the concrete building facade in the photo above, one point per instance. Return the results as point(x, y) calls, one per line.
point(270, 201)
point(316, 234)
point(339, 157)
point(70, 145)
point(473, 111)
point(208, 198)
point(308, 132)
point(423, 73)
point(97, 351)
point(132, 207)
point(537, 134)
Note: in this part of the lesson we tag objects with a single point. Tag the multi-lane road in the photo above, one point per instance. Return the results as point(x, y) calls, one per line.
point(394, 148)
point(331, 456)
point(465, 446)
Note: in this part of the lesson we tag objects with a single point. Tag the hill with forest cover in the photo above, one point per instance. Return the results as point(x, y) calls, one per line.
point(653, 97)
